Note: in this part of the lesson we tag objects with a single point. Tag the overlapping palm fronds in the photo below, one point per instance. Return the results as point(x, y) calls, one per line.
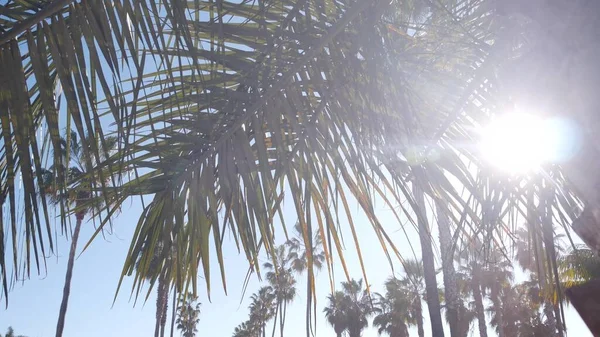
point(228, 108)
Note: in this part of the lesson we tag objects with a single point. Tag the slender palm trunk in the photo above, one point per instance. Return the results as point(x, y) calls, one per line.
point(173, 312)
point(498, 312)
point(551, 320)
point(450, 285)
point(433, 300)
point(275, 319)
point(478, 299)
point(419, 316)
point(282, 317)
point(67, 289)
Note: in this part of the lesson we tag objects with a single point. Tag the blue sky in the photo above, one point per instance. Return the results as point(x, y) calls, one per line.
point(33, 306)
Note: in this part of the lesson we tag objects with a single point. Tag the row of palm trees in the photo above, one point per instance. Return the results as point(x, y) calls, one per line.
point(487, 293)
point(270, 302)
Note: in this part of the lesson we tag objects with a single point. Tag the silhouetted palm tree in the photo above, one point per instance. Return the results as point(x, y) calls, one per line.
point(78, 196)
point(188, 315)
point(335, 312)
point(414, 281)
point(281, 279)
point(11, 333)
point(349, 309)
point(392, 313)
point(496, 274)
point(298, 255)
point(262, 310)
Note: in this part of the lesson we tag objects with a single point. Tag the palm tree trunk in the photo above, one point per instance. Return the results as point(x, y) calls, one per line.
point(450, 285)
point(433, 300)
point(419, 317)
point(551, 320)
point(173, 312)
point(479, 309)
point(275, 319)
point(282, 317)
point(163, 318)
point(499, 314)
point(159, 306)
point(67, 289)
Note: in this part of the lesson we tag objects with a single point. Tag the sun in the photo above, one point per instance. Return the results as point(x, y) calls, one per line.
point(521, 142)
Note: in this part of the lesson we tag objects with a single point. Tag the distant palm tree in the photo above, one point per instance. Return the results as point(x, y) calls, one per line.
point(281, 278)
point(349, 309)
point(496, 274)
point(262, 310)
point(471, 270)
point(298, 255)
point(11, 333)
point(392, 313)
point(188, 315)
point(77, 195)
point(335, 312)
point(414, 281)
point(246, 329)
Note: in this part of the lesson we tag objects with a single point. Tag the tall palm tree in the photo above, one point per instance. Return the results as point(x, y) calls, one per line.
point(79, 196)
point(392, 313)
point(299, 253)
point(281, 279)
point(188, 315)
point(414, 281)
point(335, 312)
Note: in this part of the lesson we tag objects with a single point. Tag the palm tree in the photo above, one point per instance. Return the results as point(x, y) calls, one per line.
point(246, 329)
point(259, 110)
point(414, 281)
point(528, 255)
point(431, 288)
point(580, 264)
point(262, 309)
point(281, 279)
point(11, 333)
point(188, 315)
point(79, 196)
point(156, 273)
point(472, 272)
point(358, 307)
point(496, 274)
point(335, 312)
point(349, 309)
point(393, 310)
point(299, 253)
point(451, 291)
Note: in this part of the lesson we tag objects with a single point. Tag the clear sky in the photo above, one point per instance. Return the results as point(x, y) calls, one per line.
point(33, 306)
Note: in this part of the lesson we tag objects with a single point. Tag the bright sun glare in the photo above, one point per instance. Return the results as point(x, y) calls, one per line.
point(521, 142)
